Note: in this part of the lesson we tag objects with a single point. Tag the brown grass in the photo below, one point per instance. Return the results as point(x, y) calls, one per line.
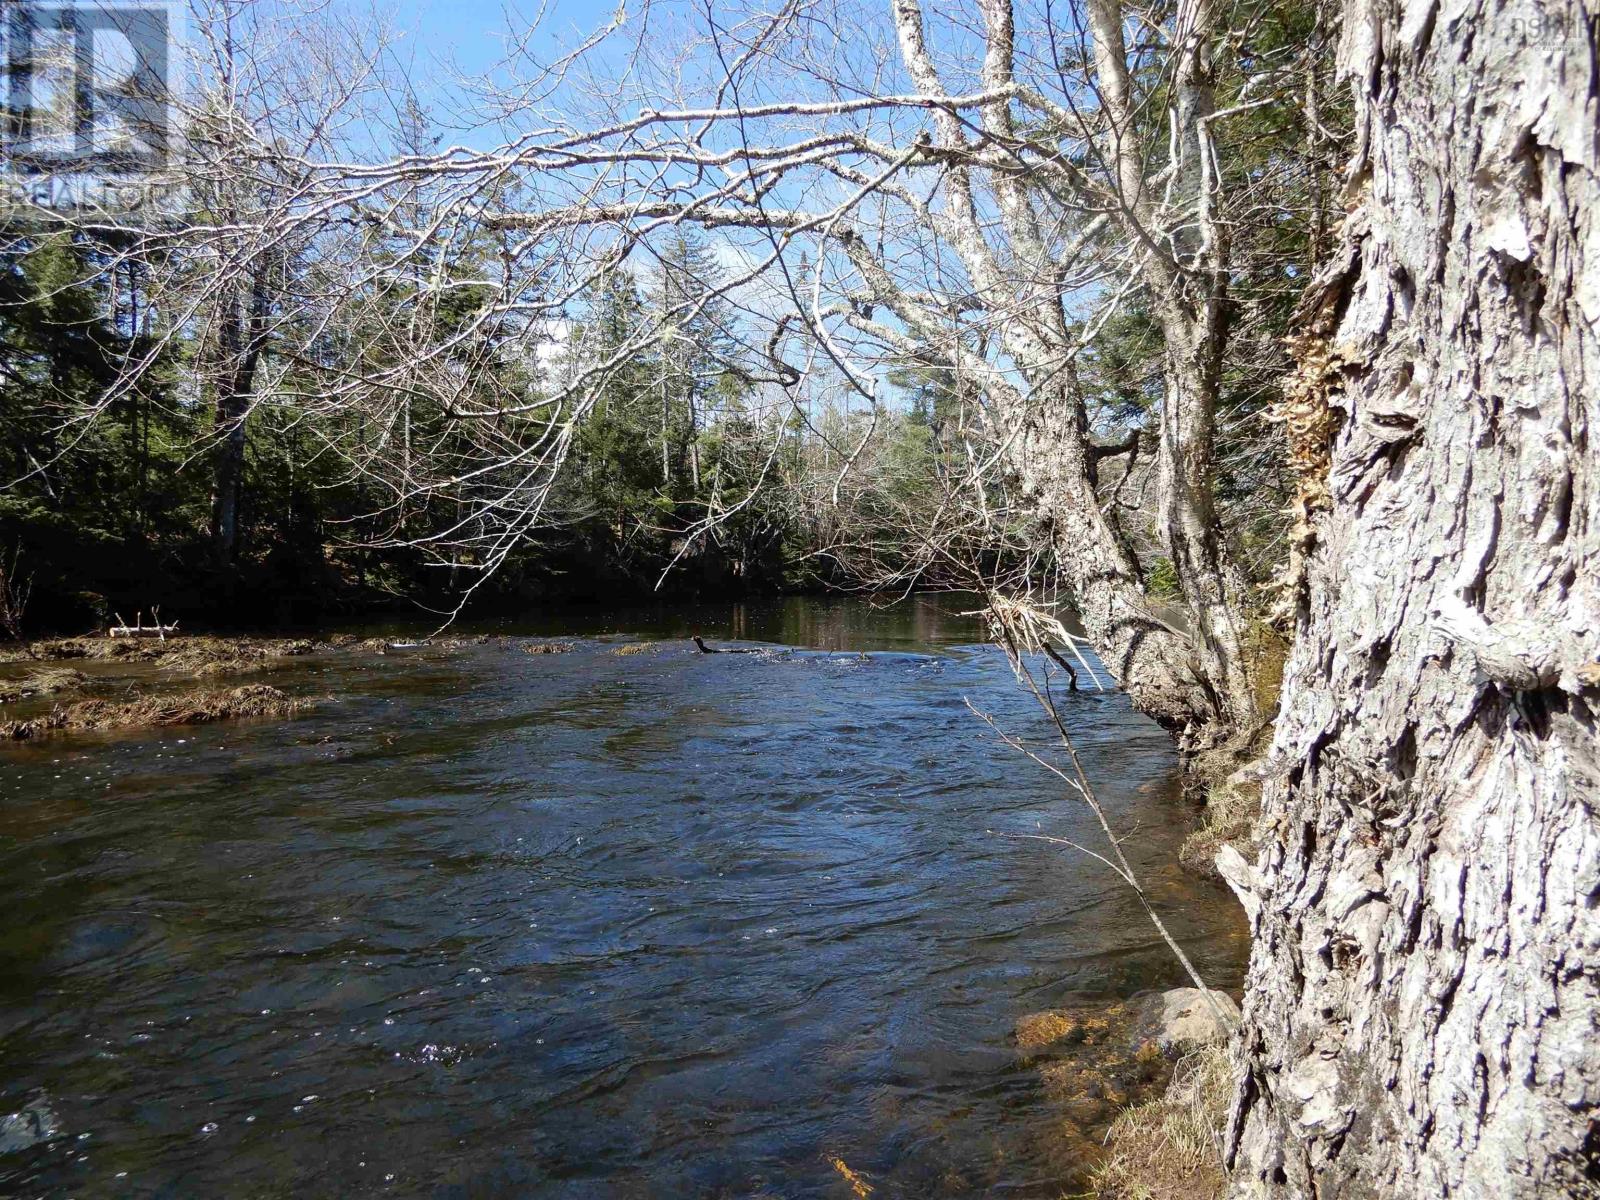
point(1230, 777)
point(1170, 1148)
point(227, 656)
point(636, 648)
point(182, 708)
point(548, 647)
point(197, 655)
point(1232, 808)
point(70, 648)
point(47, 681)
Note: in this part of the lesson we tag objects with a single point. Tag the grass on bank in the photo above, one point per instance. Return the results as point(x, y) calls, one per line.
point(1232, 807)
point(1170, 1148)
point(196, 654)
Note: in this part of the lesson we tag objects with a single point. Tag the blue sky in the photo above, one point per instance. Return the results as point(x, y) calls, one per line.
point(469, 37)
point(469, 32)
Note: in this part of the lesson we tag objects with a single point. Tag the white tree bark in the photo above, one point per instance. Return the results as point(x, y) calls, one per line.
point(1188, 285)
point(1425, 980)
point(1158, 667)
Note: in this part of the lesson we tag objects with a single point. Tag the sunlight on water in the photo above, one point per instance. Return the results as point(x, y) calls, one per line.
point(585, 924)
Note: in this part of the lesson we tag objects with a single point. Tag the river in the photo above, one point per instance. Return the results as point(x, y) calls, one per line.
point(588, 924)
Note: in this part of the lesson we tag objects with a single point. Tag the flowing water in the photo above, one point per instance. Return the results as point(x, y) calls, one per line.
point(589, 924)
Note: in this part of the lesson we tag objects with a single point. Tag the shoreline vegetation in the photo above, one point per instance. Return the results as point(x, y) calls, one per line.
point(149, 682)
point(1135, 1084)
point(164, 684)
point(1169, 1147)
point(190, 707)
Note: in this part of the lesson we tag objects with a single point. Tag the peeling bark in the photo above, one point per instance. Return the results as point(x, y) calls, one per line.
point(1425, 977)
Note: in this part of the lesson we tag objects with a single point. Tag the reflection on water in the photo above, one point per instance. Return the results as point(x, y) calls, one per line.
point(590, 924)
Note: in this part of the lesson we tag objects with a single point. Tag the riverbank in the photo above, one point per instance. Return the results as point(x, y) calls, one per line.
point(144, 682)
point(1168, 1143)
point(1122, 1075)
point(1170, 1147)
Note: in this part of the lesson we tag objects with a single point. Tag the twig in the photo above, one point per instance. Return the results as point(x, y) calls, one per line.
point(1079, 782)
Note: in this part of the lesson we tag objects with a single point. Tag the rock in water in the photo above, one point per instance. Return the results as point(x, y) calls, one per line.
point(1186, 1019)
point(32, 1125)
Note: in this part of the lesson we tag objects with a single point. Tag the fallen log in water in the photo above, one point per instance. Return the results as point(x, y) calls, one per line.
point(139, 629)
point(705, 649)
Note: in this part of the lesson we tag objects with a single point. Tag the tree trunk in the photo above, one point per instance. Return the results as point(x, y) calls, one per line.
point(1420, 1017)
point(1213, 586)
point(1154, 663)
point(232, 408)
point(1189, 291)
point(242, 336)
point(666, 428)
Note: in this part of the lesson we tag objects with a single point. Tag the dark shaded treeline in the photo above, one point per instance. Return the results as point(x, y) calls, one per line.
point(150, 503)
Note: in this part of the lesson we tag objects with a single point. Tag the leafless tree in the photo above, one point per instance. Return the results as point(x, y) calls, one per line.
point(901, 204)
point(974, 192)
point(15, 588)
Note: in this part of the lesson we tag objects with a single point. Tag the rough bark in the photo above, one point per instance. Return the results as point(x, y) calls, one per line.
point(1188, 287)
point(1425, 978)
point(1155, 664)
